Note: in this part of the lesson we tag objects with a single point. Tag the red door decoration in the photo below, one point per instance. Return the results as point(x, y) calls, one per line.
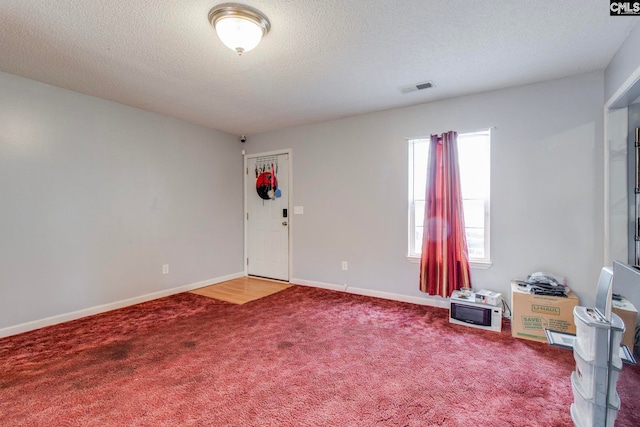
point(266, 180)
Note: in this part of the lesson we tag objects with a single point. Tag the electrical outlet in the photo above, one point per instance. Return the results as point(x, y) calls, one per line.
point(165, 269)
point(345, 266)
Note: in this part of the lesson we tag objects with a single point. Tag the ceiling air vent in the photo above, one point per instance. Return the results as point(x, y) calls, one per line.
point(416, 86)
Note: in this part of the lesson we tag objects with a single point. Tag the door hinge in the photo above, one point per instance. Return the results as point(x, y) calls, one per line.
point(247, 216)
point(247, 261)
point(247, 171)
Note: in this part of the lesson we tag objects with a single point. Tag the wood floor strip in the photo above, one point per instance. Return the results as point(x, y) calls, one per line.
point(241, 290)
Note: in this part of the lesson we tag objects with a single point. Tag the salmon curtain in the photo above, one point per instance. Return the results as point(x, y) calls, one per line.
point(444, 264)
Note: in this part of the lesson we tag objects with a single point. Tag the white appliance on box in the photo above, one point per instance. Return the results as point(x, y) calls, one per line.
point(488, 297)
point(469, 310)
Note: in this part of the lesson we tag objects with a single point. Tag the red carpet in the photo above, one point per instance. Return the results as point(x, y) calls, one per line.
point(302, 357)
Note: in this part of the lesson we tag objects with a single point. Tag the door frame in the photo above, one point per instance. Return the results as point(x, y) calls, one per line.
point(621, 98)
point(286, 151)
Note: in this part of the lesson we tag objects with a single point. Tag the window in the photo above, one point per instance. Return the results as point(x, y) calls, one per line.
point(474, 158)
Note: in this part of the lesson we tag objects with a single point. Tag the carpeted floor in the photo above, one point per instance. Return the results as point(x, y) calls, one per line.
point(301, 357)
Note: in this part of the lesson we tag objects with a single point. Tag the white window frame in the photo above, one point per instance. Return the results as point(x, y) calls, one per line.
point(413, 256)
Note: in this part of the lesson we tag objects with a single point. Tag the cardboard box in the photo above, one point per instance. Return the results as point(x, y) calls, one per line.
point(531, 314)
point(629, 316)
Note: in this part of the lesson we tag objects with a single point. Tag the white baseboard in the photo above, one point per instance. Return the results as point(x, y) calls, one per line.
point(432, 302)
point(53, 320)
point(322, 285)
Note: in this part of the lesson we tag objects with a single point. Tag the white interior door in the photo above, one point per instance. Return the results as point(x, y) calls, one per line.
point(267, 216)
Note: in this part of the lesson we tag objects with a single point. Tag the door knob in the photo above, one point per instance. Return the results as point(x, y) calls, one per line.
point(284, 222)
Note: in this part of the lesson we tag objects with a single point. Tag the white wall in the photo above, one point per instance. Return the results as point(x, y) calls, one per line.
point(97, 196)
point(546, 202)
point(617, 134)
point(624, 63)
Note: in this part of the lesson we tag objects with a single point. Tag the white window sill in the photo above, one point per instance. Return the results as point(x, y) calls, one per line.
point(478, 265)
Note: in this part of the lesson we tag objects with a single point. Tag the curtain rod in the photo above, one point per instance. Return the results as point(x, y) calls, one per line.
point(472, 131)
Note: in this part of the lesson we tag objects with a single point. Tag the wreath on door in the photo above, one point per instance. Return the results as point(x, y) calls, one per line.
point(266, 181)
point(267, 185)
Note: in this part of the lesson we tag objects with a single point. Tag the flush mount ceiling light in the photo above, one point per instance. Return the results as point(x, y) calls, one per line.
point(239, 27)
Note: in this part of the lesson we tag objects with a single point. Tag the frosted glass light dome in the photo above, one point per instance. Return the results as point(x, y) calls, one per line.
point(239, 27)
point(239, 34)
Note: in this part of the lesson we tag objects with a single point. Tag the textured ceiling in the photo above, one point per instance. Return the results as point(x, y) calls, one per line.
point(323, 59)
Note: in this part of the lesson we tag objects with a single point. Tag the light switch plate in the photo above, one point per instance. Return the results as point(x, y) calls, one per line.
point(298, 210)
